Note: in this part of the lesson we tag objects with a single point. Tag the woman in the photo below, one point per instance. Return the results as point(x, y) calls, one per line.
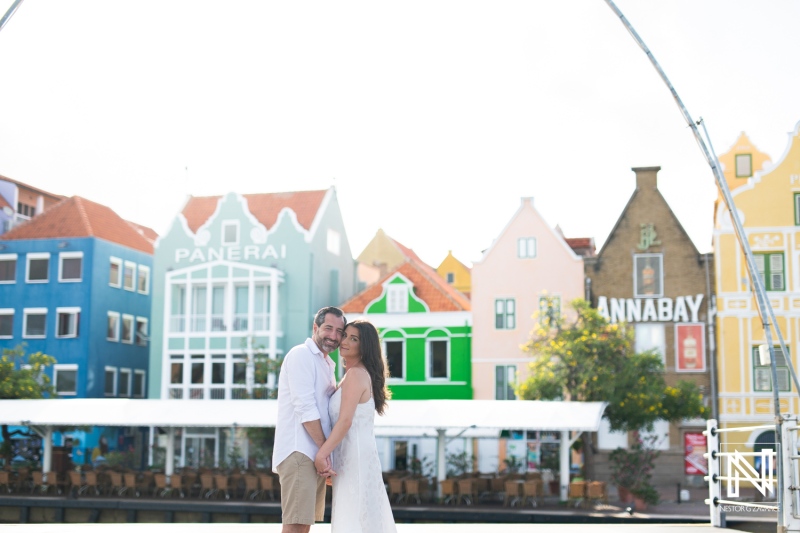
point(360, 503)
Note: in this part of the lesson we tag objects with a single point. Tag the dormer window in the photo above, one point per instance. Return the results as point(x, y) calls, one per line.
point(526, 247)
point(397, 299)
point(744, 165)
point(230, 232)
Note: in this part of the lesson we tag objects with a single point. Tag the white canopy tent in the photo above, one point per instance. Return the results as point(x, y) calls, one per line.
point(411, 417)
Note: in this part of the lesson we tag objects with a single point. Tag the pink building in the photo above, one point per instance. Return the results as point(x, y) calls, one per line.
point(526, 264)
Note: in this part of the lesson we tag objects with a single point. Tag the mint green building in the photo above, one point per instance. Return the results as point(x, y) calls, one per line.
point(233, 277)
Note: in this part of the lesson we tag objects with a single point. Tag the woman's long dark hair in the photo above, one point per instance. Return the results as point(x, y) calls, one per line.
point(373, 361)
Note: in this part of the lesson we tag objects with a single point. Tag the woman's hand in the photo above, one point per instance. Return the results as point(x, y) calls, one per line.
point(323, 464)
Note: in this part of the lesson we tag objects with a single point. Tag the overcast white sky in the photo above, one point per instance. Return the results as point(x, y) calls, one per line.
point(432, 118)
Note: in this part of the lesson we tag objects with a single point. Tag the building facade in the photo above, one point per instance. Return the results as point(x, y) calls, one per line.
point(767, 199)
point(20, 202)
point(426, 334)
point(456, 274)
point(528, 265)
point(650, 275)
point(75, 284)
point(236, 279)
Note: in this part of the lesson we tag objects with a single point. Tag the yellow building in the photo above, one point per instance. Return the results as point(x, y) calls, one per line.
point(767, 198)
point(455, 273)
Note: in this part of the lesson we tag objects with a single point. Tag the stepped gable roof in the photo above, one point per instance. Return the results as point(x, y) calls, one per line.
point(264, 206)
point(79, 217)
point(428, 287)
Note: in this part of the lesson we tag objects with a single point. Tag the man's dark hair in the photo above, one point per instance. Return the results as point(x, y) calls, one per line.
point(319, 318)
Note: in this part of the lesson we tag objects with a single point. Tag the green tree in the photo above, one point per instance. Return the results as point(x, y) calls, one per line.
point(22, 378)
point(591, 359)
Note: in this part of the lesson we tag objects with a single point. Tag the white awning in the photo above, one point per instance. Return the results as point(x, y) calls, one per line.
point(400, 414)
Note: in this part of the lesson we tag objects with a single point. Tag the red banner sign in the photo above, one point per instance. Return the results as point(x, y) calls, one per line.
point(694, 446)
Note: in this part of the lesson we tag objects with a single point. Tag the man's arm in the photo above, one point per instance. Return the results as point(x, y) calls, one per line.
point(314, 428)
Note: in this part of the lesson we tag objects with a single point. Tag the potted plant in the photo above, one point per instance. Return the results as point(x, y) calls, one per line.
point(632, 470)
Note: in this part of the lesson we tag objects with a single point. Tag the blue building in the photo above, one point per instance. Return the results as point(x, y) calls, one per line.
point(75, 284)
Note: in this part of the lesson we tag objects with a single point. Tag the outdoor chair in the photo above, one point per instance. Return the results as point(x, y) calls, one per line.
point(39, 483)
point(577, 493)
point(23, 481)
point(189, 483)
point(92, 483)
point(76, 483)
point(411, 490)
point(396, 489)
point(5, 480)
point(467, 491)
point(513, 495)
point(129, 480)
point(144, 484)
point(532, 491)
point(207, 488)
point(164, 488)
point(250, 487)
point(449, 491)
point(596, 492)
point(266, 483)
point(223, 485)
point(115, 484)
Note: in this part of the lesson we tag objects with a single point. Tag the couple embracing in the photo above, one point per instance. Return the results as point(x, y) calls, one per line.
point(325, 431)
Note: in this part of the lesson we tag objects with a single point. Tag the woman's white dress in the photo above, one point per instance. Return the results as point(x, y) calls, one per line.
point(360, 502)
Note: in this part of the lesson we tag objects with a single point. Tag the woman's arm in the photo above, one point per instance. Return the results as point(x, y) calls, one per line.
point(352, 389)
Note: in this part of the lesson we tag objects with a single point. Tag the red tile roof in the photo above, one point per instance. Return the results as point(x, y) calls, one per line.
point(408, 252)
point(148, 233)
point(428, 287)
point(79, 217)
point(264, 206)
point(4, 203)
point(583, 246)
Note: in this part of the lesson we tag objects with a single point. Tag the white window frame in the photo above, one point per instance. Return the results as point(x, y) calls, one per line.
point(505, 369)
point(116, 315)
point(75, 329)
point(32, 257)
point(10, 257)
point(397, 298)
point(227, 224)
point(334, 242)
point(739, 162)
point(65, 367)
point(113, 393)
point(404, 344)
point(131, 329)
point(144, 271)
point(115, 261)
point(124, 374)
point(131, 265)
point(509, 317)
point(643, 343)
point(69, 255)
point(429, 358)
point(527, 248)
point(141, 393)
point(33, 311)
point(8, 312)
point(136, 341)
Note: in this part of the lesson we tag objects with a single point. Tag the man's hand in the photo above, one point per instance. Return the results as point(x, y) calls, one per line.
point(323, 465)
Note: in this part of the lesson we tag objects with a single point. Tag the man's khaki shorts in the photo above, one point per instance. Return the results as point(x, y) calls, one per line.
point(302, 490)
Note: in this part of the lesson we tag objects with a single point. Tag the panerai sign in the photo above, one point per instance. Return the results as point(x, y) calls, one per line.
point(682, 309)
point(230, 253)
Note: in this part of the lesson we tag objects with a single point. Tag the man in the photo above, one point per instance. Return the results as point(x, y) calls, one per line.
point(305, 386)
